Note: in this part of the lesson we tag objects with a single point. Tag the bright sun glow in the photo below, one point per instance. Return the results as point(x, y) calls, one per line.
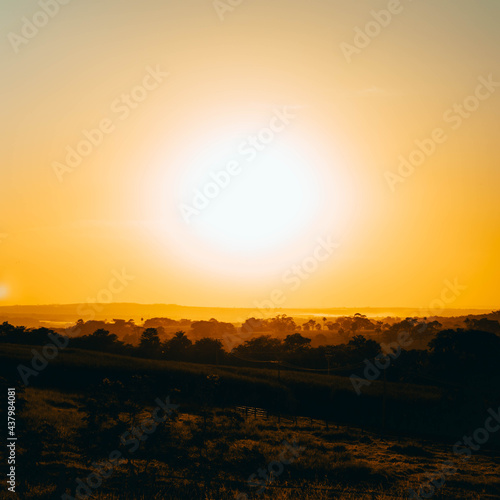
point(249, 215)
point(270, 201)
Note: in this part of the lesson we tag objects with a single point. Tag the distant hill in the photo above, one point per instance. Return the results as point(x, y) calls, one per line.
point(69, 313)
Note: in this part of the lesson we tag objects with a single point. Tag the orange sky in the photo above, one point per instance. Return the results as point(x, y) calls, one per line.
point(297, 114)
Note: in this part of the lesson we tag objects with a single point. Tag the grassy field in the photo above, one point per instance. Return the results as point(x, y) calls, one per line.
point(14, 354)
point(210, 450)
point(327, 465)
point(327, 397)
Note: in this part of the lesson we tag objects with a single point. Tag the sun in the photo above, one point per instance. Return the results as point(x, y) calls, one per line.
point(269, 202)
point(226, 212)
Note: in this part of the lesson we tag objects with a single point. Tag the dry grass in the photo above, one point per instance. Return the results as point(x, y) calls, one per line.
point(336, 463)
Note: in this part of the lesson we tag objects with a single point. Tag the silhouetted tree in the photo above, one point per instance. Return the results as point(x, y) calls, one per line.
point(483, 324)
point(296, 342)
point(149, 343)
point(252, 325)
point(309, 325)
point(212, 328)
point(178, 347)
point(264, 347)
point(282, 323)
point(208, 350)
point(100, 340)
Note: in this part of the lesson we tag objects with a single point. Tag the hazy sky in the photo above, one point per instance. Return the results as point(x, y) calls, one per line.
point(308, 116)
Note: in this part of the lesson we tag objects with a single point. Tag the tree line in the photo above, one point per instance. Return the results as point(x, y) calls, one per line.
point(451, 355)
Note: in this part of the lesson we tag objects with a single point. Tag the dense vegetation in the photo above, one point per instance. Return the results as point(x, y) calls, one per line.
point(83, 396)
point(451, 358)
